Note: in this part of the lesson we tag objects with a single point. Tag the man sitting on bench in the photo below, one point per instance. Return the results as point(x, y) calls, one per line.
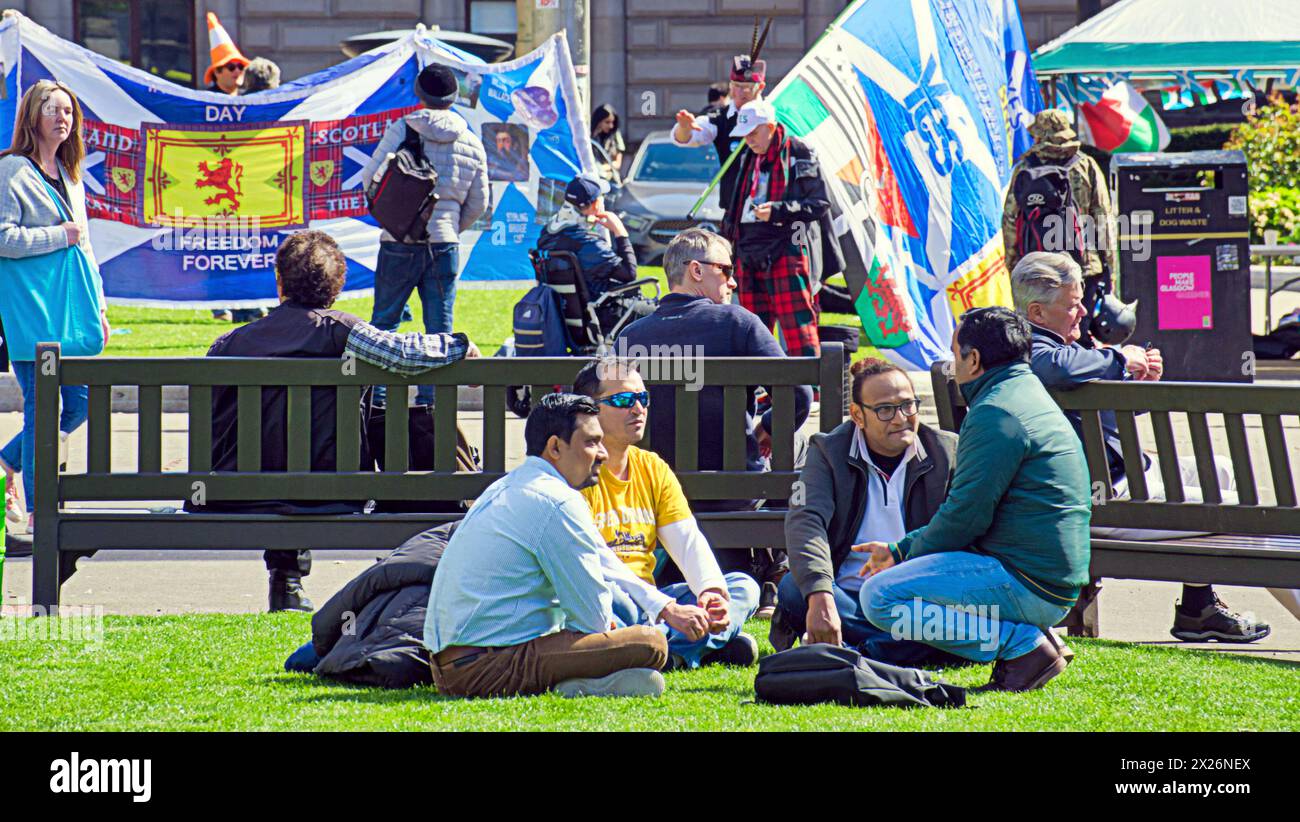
point(521, 602)
point(875, 477)
point(1006, 554)
point(309, 272)
point(638, 505)
point(1047, 288)
point(697, 319)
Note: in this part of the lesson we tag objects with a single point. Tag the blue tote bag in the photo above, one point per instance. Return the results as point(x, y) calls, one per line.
point(51, 298)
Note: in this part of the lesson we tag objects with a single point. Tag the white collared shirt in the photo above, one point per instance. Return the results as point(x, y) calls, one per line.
point(883, 519)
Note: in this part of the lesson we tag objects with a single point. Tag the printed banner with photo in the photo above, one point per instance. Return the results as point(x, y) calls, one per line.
point(918, 109)
point(177, 180)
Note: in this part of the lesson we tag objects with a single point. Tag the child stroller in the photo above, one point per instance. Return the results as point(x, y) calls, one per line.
point(587, 327)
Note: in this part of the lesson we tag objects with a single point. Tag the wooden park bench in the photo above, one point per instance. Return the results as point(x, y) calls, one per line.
point(1251, 542)
point(65, 533)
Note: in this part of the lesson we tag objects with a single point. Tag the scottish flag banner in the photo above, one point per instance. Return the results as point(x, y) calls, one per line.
point(918, 110)
point(190, 193)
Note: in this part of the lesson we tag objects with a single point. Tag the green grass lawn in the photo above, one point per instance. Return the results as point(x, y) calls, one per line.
point(224, 672)
point(486, 315)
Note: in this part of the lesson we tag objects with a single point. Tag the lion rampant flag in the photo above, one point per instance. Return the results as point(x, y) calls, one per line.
point(197, 172)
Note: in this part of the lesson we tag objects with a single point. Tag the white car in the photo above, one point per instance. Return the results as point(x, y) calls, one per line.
point(665, 180)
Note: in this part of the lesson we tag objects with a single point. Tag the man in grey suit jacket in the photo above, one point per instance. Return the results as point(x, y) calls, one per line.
point(873, 478)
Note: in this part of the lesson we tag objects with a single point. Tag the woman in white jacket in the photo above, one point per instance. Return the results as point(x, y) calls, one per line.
point(40, 186)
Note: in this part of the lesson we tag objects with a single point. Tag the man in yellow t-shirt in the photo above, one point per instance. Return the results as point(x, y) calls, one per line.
point(638, 506)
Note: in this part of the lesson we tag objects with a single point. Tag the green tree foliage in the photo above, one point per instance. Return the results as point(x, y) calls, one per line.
point(1270, 139)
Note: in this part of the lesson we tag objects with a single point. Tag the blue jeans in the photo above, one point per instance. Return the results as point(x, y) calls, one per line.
point(402, 268)
point(744, 602)
point(962, 602)
point(856, 631)
point(20, 452)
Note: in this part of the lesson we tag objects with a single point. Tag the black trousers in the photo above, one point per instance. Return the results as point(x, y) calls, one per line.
point(292, 562)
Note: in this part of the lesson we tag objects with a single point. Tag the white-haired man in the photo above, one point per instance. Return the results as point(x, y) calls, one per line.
point(1048, 291)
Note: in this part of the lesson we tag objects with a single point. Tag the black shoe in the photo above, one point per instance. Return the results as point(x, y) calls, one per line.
point(287, 594)
point(1218, 623)
point(675, 663)
point(766, 601)
point(1026, 673)
point(741, 651)
point(17, 546)
point(781, 635)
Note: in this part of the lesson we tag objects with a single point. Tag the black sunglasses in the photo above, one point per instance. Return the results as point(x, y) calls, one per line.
point(627, 399)
point(727, 268)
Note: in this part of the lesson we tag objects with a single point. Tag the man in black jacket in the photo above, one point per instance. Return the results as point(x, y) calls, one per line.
point(777, 219)
point(309, 271)
point(875, 477)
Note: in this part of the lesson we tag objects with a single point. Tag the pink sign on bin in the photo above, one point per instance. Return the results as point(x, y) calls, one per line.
point(1184, 301)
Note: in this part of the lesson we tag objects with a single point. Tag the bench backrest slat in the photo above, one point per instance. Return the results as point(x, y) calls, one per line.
point(298, 428)
point(686, 408)
point(444, 427)
point(347, 427)
point(1203, 449)
point(833, 383)
point(494, 428)
point(1095, 452)
point(149, 434)
point(783, 420)
point(1239, 450)
point(1131, 447)
point(1279, 461)
point(397, 415)
point(733, 436)
point(248, 431)
point(99, 434)
point(1167, 448)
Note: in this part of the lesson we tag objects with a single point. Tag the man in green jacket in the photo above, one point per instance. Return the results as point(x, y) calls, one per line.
point(1004, 557)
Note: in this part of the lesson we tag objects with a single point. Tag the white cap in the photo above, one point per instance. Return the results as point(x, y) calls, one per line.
point(752, 115)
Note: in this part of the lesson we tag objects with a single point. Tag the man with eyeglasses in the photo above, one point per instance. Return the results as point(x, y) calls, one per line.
point(697, 319)
point(640, 511)
point(875, 477)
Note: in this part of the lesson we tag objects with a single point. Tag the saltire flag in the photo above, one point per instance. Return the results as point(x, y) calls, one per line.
point(917, 110)
point(190, 193)
point(1122, 121)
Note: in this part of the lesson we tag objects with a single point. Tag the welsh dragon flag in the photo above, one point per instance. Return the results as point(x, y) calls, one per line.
point(1122, 121)
point(917, 110)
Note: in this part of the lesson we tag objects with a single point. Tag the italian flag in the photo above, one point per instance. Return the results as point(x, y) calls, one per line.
point(1122, 121)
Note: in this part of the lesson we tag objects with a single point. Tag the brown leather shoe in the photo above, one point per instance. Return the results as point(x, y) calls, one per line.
point(1028, 672)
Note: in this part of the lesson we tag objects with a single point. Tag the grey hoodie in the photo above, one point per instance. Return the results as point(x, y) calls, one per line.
point(457, 154)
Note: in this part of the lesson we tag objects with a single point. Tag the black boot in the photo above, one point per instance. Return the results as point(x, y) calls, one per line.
point(287, 594)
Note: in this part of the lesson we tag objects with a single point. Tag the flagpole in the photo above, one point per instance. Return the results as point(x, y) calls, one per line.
point(690, 215)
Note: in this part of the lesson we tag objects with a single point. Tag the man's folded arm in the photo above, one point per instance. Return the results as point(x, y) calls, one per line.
point(689, 548)
point(407, 354)
point(1068, 366)
point(647, 597)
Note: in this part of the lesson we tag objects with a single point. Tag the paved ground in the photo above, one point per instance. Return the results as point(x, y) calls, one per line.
point(175, 582)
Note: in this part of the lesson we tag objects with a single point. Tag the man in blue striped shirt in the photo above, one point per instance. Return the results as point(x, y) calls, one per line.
point(522, 601)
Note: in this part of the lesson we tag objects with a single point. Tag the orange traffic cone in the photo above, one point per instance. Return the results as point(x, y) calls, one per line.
point(221, 48)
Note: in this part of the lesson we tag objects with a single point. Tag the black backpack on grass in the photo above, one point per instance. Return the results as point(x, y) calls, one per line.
point(811, 674)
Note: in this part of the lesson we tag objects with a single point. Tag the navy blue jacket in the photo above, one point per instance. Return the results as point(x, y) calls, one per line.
point(715, 331)
point(1061, 366)
point(602, 265)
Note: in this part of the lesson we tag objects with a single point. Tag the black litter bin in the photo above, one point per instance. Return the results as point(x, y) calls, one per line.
point(1184, 253)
